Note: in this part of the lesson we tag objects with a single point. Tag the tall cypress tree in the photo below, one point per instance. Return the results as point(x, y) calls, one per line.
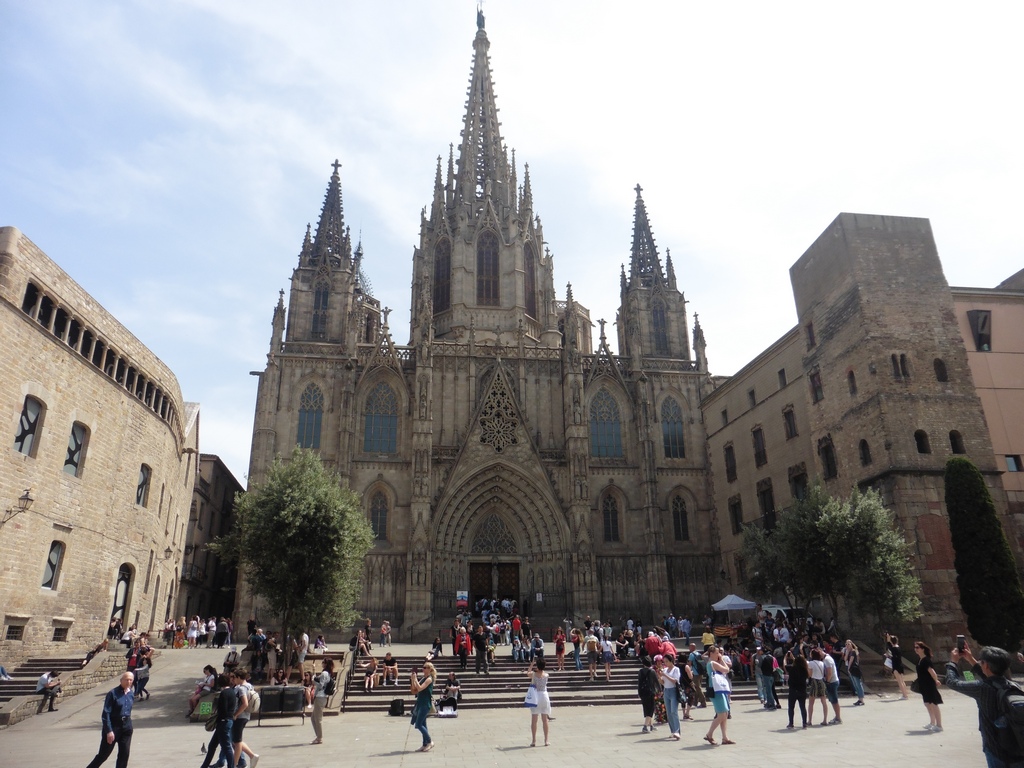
point(986, 573)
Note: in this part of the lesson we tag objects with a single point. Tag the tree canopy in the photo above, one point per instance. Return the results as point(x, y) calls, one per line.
point(986, 573)
point(300, 538)
point(832, 548)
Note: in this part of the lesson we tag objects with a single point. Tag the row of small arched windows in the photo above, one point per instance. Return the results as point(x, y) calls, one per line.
point(921, 441)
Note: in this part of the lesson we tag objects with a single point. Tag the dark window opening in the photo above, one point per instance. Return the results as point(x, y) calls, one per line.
point(442, 276)
point(1013, 464)
point(311, 412)
point(980, 321)
point(766, 503)
point(789, 422)
point(752, 398)
point(15, 632)
point(610, 510)
point(904, 367)
point(798, 486)
point(730, 463)
point(956, 442)
point(379, 516)
point(851, 380)
point(487, 277)
point(321, 299)
point(680, 524)
point(725, 417)
point(380, 432)
point(865, 453)
point(736, 515)
point(940, 370)
point(31, 297)
point(605, 426)
point(672, 429)
point(921, 438)
point(45, 311)
point(530, 280)
point(60, 323)
point(817, 391)
point(827, 452)
point(60, 634)
point(760, 451)
point(782, 378)
point(810, 335)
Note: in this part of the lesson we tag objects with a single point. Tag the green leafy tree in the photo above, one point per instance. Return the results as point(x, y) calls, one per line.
point(300, 538)
point(990, 587)
point(836, 549)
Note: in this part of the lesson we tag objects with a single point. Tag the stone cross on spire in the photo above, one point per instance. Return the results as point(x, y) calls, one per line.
point(335, 165)
point(386, 311)
point(601, 322)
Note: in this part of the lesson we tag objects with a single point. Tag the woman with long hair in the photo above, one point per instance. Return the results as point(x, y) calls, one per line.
point(892, 645)
point(796, 668)
point(816, 688)
point(320, 682)
point(539, 680)
point(851, 655)
point(928, 686)
point(717, 668)
point(424, 690)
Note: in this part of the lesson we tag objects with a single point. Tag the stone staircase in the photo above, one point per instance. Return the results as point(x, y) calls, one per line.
point(18, 698)
point(505, 685)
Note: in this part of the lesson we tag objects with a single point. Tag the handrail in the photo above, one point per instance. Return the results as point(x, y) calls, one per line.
point(349, 668)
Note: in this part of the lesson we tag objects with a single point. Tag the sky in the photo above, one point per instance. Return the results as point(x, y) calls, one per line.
point(168, 154)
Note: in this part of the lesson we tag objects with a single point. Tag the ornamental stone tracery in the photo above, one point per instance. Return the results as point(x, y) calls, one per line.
point(493, 537)
point(498, 422)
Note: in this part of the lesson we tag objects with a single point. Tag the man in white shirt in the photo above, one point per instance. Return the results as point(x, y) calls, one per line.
point(832, 687)
point(301, 646)
point(48, 685)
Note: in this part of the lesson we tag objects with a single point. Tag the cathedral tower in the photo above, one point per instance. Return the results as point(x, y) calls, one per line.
point(481, 260)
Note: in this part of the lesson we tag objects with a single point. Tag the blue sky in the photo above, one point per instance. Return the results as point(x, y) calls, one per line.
point(168, 155)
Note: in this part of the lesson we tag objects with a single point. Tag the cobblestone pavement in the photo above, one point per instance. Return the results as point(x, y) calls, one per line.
point(884, 731)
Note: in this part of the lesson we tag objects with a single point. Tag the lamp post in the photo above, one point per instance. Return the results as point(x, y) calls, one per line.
point(23, 504)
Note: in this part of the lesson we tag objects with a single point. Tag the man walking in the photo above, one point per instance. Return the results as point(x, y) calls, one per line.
point(117, 723)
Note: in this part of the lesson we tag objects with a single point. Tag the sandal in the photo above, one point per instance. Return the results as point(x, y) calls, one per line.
point(711, 741)
point(728, 741)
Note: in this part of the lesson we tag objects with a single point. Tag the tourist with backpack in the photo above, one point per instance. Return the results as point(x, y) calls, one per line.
point(1000, 703)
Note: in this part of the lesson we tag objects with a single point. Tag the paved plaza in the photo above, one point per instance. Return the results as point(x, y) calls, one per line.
point(886, 731)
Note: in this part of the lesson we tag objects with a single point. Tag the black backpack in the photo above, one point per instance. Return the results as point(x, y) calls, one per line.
point(331, 687)
point(397, 708)
point(1010, 723)
point(647, 685)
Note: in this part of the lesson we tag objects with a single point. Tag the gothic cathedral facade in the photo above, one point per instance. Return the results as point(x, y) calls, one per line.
point(499, 452)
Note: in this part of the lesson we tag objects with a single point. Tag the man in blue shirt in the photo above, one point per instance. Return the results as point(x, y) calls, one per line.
point(117, 723)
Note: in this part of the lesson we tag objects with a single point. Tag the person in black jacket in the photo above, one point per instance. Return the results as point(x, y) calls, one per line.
point(991, 671)
point(647, 689)
point(480, 648)
point(227, 704)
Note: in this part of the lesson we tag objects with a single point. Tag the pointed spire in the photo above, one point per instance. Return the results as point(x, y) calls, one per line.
point(623, 285)
point(568, 293)
point(645, 266)
point(527, 205)
point(670, 269)
point(306, 254)
point(332, 245)
point(483, 165)
point(437, 208)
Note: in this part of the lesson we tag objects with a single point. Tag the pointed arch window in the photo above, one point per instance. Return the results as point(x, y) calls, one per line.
point(380, 434)
point(610, 511)
point(311, 413)
point(75, 457)
point(605, 426)
point(865, 453)
point(680, 525)
point(321, 297)
point(530, 280)
point(442, 276)
point(379, 516)
point(672, 429)
point(487, 293)
point(660, 328)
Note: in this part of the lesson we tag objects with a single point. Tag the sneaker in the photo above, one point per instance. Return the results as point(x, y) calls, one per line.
point(645, 730)
point(835, 721)
point(936, 729)
point(929, 727)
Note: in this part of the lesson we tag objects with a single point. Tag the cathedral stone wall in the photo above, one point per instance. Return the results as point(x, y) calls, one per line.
point(87, 519)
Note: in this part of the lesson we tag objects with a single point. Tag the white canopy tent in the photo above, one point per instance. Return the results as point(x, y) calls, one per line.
point(734, 603)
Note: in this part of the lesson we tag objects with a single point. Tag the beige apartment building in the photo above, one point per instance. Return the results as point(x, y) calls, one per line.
point(96, 475)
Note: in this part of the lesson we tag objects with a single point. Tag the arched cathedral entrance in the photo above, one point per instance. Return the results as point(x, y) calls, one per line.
point(499, 536)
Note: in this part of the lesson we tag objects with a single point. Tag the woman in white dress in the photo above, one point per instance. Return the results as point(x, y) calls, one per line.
point(539, 679)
